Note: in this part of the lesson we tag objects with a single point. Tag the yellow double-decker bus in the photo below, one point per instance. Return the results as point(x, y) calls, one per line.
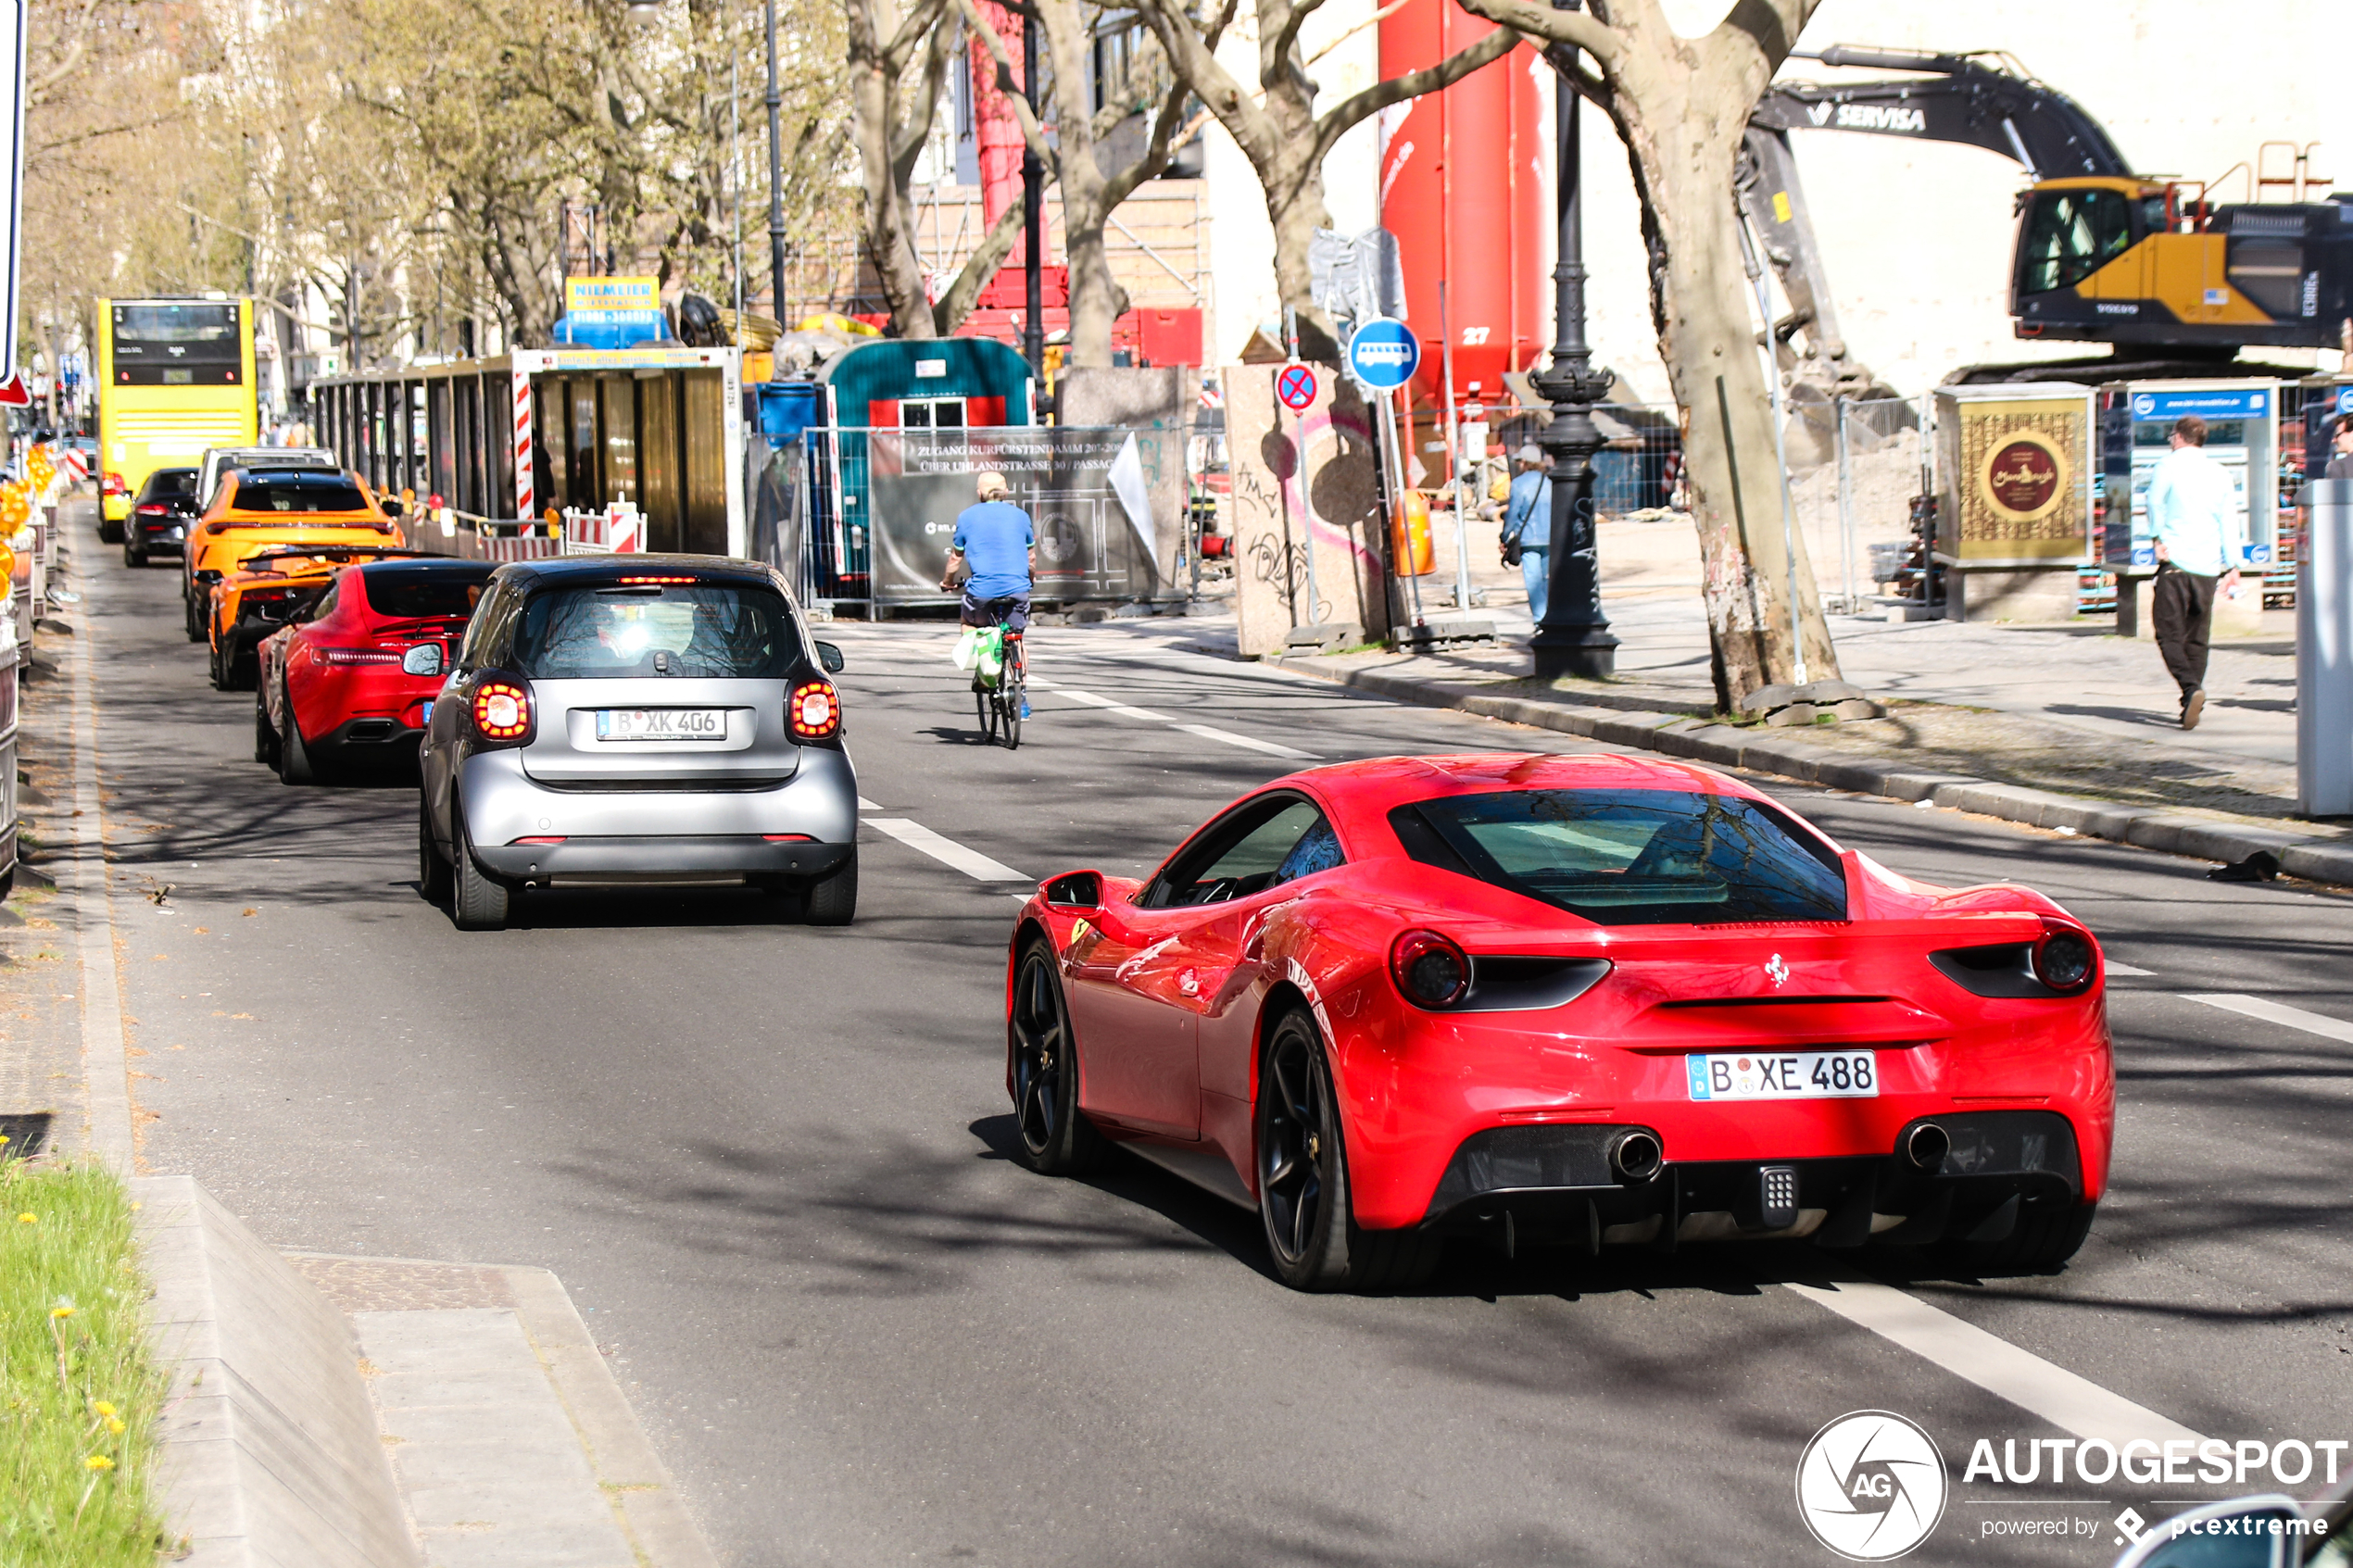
point(174, 377)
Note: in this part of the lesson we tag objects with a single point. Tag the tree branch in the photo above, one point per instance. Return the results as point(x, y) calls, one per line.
point(1331, 127)
point(1579, 30)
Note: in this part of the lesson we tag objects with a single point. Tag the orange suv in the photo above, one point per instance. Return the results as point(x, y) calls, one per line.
point(257, 508)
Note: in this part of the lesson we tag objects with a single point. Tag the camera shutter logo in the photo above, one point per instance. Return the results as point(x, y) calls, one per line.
point(1871, 1486)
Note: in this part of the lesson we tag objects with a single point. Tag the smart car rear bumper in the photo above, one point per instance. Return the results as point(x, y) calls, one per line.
point(1558, 1182)
point(643, 856)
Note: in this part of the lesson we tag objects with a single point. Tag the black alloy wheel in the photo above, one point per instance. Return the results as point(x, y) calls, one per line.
point(265, 733)
point(1303, 1201)
point(1056, 1137)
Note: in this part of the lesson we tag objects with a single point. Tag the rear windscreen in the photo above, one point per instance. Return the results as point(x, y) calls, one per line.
point(1633, 856)
point(171, 343)
point(289, 492)
point(415, 593)
point(678, 630)
point(172, 482)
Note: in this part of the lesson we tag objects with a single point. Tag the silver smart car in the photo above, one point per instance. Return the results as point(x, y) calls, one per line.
point(637, 717)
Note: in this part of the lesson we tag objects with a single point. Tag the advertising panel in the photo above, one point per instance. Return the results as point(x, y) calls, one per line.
point(2017, 467)
point(1105, 505)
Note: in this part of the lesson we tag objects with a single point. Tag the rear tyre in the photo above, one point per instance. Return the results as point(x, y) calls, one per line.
point(1009, 715)
point(985, 712)
point(1056, 1139)
point(433, 876)
point(293, 758)
point(265, 734)
point(479, 902)
point(196, 626)
point(216, 668)
point(134, 559)
point(2045, 1237)
point(833, 898)
point(1304, 1202)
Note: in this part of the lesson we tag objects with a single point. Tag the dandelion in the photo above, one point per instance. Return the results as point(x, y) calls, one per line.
point(114, 1424)
point(28, 1219)
point(97, 1461)
point(64, 1311)
point(103, 1408)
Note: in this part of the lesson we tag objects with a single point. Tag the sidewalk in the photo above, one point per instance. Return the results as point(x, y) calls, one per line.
point(499, 1431)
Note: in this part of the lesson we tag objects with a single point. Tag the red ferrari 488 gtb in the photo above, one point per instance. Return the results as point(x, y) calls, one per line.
point(1580, 1000)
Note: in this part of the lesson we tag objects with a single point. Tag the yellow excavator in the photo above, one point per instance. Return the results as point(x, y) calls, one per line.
point(2178, 280)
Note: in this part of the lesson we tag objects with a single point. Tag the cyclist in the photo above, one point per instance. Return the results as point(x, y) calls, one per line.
point(997, 543)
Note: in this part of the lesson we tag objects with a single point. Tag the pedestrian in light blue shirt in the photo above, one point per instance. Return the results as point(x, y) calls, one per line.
point(2190, 502)
point(1527, 521)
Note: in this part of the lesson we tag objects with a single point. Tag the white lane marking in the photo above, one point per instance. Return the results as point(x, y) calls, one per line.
point(2114, 968)
point(866, 805)
point(2275, 1012)
point(1208, 732)
point(2068, 1402)
point(947, 851)
point(1106, 703)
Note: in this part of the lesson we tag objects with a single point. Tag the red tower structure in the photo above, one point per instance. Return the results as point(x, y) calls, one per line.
point(1463, 187)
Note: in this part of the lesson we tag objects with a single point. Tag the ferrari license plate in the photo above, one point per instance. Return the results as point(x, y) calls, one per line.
point(426, 716)
point(662, 723)
point(1785, 1075)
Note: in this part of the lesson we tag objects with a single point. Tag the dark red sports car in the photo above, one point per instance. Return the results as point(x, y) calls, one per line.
point(354, 677)
point(1577, 1000)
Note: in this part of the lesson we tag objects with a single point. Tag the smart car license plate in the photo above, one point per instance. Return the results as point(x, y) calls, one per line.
point(1785, 1075)
point(662, 723)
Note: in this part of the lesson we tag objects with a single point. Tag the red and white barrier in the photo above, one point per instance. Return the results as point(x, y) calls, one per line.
point(523, 442)
point(619, 529)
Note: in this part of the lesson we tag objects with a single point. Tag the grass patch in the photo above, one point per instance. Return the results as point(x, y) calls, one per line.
point(79, 1393)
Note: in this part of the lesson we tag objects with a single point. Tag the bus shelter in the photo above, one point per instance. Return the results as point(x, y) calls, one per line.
point(568, 430)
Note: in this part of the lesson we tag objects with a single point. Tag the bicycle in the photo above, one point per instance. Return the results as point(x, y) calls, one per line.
point(1000, 707)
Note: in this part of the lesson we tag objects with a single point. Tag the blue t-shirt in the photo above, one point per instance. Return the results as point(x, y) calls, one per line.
point(995, 538)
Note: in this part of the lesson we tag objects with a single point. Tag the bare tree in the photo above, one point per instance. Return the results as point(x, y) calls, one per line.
point(1089, 192)
point(1277, 128)
point(899, 65)
point(1681, 106)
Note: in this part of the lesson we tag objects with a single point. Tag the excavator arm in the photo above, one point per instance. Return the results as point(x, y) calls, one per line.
point(1979, 100)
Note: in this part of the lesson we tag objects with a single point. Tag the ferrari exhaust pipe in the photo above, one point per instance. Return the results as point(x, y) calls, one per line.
point(1634, 1156)
point(1926, 1146)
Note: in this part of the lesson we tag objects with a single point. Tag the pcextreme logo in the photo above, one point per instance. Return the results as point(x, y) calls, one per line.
point(1870, 1485)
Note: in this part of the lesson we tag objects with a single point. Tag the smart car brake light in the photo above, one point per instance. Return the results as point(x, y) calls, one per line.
point(501, 711)
point(814, 710)
point(1432, 971)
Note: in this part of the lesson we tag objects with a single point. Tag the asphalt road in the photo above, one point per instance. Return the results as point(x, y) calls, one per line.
point(768, 1162)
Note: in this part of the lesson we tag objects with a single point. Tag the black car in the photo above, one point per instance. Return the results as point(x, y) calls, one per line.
point(160, 516)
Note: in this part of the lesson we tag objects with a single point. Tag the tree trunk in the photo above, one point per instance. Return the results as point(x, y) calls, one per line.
point(1295, 211)
point(890, 227)
point(1750, 550)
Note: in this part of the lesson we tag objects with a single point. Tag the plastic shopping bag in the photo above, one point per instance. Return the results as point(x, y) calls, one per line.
point(968, 648)
point(993, 653)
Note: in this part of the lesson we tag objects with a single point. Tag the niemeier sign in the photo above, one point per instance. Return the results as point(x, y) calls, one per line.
point(606, 296)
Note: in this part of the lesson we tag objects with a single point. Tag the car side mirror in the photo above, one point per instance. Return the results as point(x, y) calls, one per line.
point(1076, 890)
point(423, 659)
point(830, 656)
point(2240, 1533)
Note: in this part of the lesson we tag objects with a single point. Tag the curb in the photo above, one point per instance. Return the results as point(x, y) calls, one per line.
point(2326, 860)
point(270, 1452)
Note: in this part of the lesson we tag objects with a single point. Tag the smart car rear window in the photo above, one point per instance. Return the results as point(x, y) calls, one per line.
point(294, 492)
point(620, 630)
point(420, 593)
point(1633, 856)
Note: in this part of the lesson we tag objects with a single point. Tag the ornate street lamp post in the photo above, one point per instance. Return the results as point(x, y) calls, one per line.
point(775, 178)
point(1575, 638)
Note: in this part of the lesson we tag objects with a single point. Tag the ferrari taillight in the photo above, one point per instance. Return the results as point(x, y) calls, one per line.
point(502, 712)
point(1432, 971)
point(2063, 958)
point(814, 710)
